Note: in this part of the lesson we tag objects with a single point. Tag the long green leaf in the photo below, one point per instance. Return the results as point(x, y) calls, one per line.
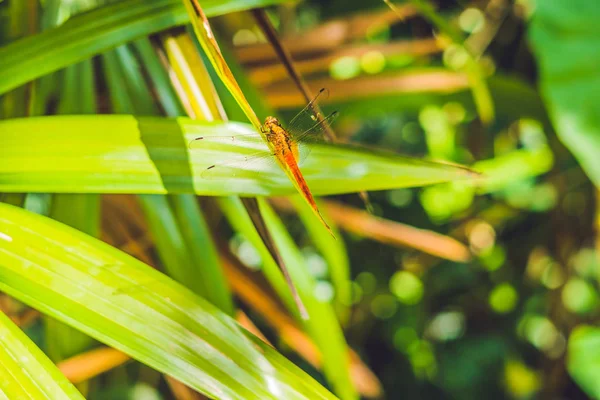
point(80, 211)
point(240, 220)
point(196, 233)
point(94, 32)
point(186, 250)
point(209, 44)
point(26, 371)
point(334, 252)
point(564, 35)
point(80, 281)
point(121, 153)
point(322, 326)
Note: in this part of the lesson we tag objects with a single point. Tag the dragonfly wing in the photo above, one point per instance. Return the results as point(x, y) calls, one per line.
point(241, 166)
point(250, 141)
point(312, 134)
point(308, 115)
point(253, 154)
point(309, 125)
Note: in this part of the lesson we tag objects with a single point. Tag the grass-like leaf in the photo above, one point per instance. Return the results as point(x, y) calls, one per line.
point(207, 40)
point(26, 371)
point(128, 305)
point(97, 31)
point(116, 154)
point(564, 38)
point(322, 325)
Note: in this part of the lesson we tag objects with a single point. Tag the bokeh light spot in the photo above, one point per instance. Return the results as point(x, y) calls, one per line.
point(503, 298)
point(455, 57)
point(400, 197)
point(411, 132)
point(345, 68)
point(323, 291)
point(407, 287)
point(367, 282)
point(244, 37)
point(372, 62)
point(587, 262)
point(520, 380)
point(471, 20)
point(246, 252)
point(553, 275)
point(316, 264)
point(579, 297)
point(350, 293)
point(482, 236)
point(422, 358)
point(493, 258)
point(531, 133)
point(455, 112)
point(384, 306)
point(541, 332)
point(404, 337)
point(446, 326)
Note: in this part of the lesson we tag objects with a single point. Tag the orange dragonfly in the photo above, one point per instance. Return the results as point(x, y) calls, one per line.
point(287, 147)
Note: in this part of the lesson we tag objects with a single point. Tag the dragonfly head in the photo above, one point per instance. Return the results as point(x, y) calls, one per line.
point(271, 121)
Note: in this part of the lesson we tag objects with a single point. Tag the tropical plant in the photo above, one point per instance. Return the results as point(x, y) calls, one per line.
point(128, 271)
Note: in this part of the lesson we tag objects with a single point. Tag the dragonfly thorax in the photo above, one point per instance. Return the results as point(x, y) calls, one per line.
point(280, 139)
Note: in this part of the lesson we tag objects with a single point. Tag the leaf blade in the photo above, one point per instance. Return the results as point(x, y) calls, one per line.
point(126, 154)
point(74, 278)
point(26, 371)
point(569, 81)
point(97, 31)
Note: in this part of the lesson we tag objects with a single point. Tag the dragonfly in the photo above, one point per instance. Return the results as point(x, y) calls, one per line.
point(286, 146)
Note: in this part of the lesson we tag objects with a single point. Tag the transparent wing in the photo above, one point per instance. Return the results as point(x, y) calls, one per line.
point(250, 141)
point(309, 124)
point(314, 133)
point(254, 154)
point(241, 166)
point(308, 115)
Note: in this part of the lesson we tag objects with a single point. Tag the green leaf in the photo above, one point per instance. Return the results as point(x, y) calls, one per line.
point(97, 31)
point(240, 220)
point(209, 44)
point(194, 266)
point(80, 211)
point(121, 153)
point(26, 371)
point(565, 35)
point(80, 280)
point(170, 243)
point(159, 77)
point(202, 250)
point(333, 250)
point(583, 362)
point(322, 325)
